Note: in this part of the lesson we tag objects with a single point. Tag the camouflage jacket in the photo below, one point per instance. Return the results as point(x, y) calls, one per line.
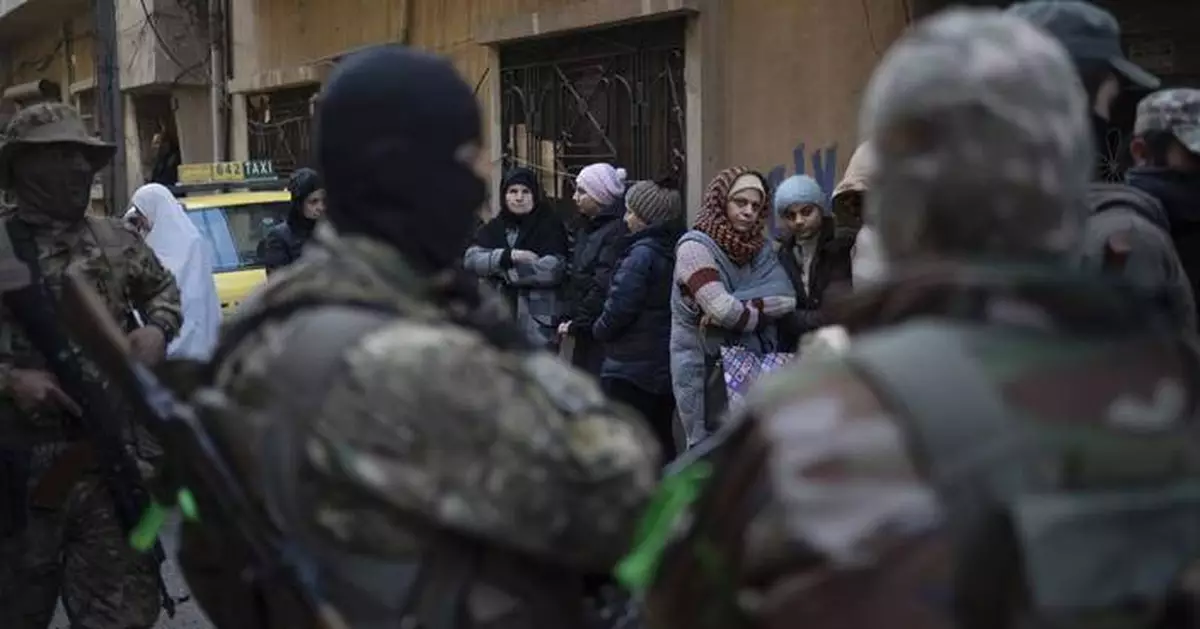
point(123, 270)
point(842, 519)
point(427, 418)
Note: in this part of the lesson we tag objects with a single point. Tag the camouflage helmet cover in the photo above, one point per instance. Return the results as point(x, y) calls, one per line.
point(1176, 111)
point(50, 123)
point(979, 122)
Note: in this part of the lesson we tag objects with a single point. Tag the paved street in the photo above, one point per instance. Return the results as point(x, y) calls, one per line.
point(187, 616)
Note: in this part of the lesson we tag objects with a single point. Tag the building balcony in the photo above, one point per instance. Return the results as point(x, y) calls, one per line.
point(162, 43)
point(18, 17)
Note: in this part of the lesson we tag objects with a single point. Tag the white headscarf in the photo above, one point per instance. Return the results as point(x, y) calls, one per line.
point(181, 249)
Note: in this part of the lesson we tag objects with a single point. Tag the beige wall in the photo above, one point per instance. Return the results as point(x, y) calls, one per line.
point(134, 176)
point(193, 123)
point(781, 79)
point(43, 53)
point(796, 73)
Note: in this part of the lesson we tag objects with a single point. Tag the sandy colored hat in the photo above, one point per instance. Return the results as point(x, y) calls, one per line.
point(50, 123)
point(980, 129)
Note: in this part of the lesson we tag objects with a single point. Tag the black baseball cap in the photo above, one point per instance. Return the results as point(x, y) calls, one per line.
point(1087, 32)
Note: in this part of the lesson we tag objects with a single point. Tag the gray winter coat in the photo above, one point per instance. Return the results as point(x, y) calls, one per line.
point(1128, 235)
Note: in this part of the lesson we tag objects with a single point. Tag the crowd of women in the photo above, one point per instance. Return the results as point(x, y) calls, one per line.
point(620, 285)
point(643, 302)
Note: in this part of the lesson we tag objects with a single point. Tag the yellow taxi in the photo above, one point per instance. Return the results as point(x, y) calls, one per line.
point(233, 204)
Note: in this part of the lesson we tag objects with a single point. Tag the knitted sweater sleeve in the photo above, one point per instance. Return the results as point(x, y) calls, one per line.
point(696, 272)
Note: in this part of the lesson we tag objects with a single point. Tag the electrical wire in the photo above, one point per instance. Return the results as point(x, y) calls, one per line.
point(870, 31)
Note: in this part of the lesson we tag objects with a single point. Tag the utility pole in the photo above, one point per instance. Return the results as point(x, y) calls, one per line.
point(109, 120)
point(216, 77)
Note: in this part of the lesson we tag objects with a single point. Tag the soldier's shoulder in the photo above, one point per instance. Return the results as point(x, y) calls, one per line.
point(433, 420)
point(441, 363)
point(834, 464)
point(113, 232)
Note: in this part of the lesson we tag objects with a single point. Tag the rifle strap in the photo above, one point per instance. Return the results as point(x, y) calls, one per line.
point(34, 309)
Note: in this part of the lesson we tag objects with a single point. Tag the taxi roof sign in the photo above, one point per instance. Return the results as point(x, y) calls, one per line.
point(255, 170)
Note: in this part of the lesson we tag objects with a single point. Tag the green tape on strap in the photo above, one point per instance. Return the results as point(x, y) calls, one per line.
point(187, 505)
point(143, 536)
point(675, 494)
point(145, 533)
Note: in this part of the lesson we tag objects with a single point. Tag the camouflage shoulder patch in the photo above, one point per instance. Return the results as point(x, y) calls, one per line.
point(431, 421)
point(841, 475)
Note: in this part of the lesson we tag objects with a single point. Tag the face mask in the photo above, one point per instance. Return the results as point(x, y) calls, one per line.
point(1179, 192)
point(53, 182)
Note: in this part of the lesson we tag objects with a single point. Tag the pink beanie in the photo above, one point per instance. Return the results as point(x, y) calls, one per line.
point(602, 182)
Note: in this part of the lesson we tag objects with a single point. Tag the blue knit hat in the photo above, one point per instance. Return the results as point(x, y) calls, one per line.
point(802, 190)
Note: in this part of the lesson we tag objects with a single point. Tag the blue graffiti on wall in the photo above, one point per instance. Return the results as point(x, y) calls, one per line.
point(821, 166)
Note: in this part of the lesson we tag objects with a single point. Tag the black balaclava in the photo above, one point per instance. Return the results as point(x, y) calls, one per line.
point(392, 125)
point(52, 183)
point(303, 183)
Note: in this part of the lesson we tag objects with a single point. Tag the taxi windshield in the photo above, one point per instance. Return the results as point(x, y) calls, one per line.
point(233, 232)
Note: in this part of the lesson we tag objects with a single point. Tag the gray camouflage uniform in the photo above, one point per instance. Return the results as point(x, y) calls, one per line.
point(435, 467)
point(876, 473)
point(416, 420)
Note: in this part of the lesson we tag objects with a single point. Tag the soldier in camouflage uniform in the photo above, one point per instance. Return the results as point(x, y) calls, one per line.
point(60, 535)
point(427, 464)
point(1166, 155)
point(1005, 443)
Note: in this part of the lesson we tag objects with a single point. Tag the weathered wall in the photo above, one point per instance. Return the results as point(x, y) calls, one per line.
point(275, 34)
point(161, 42)
point(43, 53)
point(284, 42)
point(795, 70)
point(796, 74)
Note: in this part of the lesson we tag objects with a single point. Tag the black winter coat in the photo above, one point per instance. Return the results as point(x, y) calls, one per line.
point(592, 258)
point(635, 322)
point(830, 274)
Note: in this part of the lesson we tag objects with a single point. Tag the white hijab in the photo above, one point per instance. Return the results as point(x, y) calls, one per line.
point(181, 249)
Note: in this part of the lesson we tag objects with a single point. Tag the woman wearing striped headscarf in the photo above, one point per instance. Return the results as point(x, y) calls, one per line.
point(729, 286)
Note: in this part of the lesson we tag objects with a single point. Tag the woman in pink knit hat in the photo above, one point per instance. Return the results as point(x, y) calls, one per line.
point(600, 196)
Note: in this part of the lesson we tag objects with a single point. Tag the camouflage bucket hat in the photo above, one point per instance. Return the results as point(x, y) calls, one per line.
point(50, 123)
point(982, 139)
point(1176, 111)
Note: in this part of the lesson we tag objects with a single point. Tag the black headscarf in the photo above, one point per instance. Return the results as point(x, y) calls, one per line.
point(304, 182)
point(540, 231)
point(392, 124)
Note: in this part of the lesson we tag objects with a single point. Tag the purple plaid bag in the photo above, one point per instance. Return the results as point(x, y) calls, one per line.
point(742, 367)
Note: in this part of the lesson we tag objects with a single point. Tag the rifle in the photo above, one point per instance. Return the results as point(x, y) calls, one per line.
point(32, 306)
point(198, 478)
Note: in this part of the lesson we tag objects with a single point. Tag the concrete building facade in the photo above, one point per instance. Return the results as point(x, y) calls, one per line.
point(653, 85)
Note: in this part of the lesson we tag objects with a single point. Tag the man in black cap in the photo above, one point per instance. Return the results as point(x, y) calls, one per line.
point(1127, 234)
point(1092, 37)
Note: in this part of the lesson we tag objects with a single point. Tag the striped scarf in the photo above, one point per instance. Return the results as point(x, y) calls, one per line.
point(714, 221)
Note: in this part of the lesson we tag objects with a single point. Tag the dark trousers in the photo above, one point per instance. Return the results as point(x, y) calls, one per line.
point(658, 409)
point(587, 354)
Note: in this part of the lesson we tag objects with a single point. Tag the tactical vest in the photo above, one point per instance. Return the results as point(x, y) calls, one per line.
point(105, 231)
point(1058, 515)
point(449, 581)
